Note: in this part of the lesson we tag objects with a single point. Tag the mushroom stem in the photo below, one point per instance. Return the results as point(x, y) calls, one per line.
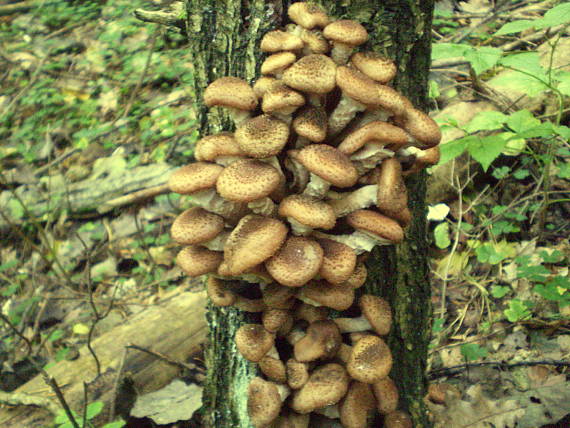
point(264, 206)
point(359, 241)
point(317, 187)
point(218, 243)
point(331, 412)
point(370, 156)
point(300, 174)
point(347, 203)
point(299, 229)
point(211, 201)
point(238, 116)
point(344, 112)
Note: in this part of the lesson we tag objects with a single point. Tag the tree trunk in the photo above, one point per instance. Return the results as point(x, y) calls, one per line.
point(224, 39)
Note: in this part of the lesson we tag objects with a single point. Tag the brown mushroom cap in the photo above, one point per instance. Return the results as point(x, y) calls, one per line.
point(219, 293)
point(314, 74)
point(194, 177)
point(273, 368)
point(357, 86)
point(376, 225)
point(326, 386)
point(263, 402)
point(308, 15)
point(376, 131)
point(275, 64)
point(357, 405)
point(336, 297)
point(375, 66)
point(297, 262)
point(311, 313)
point(275, 319)
point(297, 373)
point(328, 163)
point(398, 419)
point(392, 194)
point(378, 313)
point(253, 341)
point(311, 123)
point(321, 342)
point(421, 127)
point(230, 92)
point(277, 40)
point(387, 396)
point(370, 360)
point(262, 136)
point(196, 261)
point(211, 147)
point(247, 180)
point(346, 31)
point(278, 296)
point(339, 261)
point(196, 226)
point(358, 277)
point(263, 84)
point(308, 211)
point(253, 240)
point(314, 42)
point(281, 99)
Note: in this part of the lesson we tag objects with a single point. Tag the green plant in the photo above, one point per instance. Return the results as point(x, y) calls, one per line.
point(91, 411)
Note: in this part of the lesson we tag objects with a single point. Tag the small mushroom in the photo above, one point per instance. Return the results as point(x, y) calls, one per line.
point(196, 261)
point(321, 342)
point(253, 341)
point(345, 35)
point(232, 93)
point(306, 213)
point(357, 406)
point(264, 400)
point(387, 395)
point(370, 360)
point(314, 75)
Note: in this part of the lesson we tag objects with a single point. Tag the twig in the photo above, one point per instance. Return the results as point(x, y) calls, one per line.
point(57, 160)
point(134, 197)
point(163, 357)
point(57, 390)
point(16, 331)
point(501, 365)
point(116, 385)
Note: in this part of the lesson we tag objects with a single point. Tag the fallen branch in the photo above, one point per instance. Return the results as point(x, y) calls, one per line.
point(500, 365)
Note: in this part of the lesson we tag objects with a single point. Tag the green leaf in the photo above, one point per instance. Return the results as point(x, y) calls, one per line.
point(483, 58)
point(563, 131)
point(558, 15)
point(537, 273)
point(499, 291)
point(441, 234)
point(517, 311)
point(563, 83)
point(16, 209)
point(448, 50)
point(526, 61)
point(521, 174)
point(486, 149)
point(453, 149)
point(437, 325)
point(487, 253)
point(93, 409)
point(515, 27)
point(522, 120)
point(55, 335)
point(115, 424)
point(501, 172)
point(563, 171)
point(486, 121)
point(8, 265)
point(473, 351)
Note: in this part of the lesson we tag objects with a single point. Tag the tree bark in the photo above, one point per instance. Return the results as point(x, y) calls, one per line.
point(224, 38)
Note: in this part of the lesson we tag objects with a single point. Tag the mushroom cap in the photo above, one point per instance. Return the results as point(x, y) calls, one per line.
point(326, 386)
point(247, 180)
point(392, 194)
point(393, 101)
point(297, 373)
point(346, 31)
point(377, 131)
point(196, 261)
point(277, 40)
point(211, 147)
point(276, 63)
point(278, 296)
point(423, 128)
point(194, 177)
point(273, 368)
point(398, 419)
point(339, 261)
point(313, 73)
point(378, 313)
point(358, 277)
point(311, 123)
point(315, 41)
point(376, 225)
point(274, 319)
point(253, 341)
point(296, 262)
point(280, 98)
point(309, 211)
point(387, 396)
point(308, 15)
point(329, 163)
point(358, 86)
point(219, 293)
point(336, 297)
point(263, 402)
point(370, 360)
point(195, 226)
point(263, 84)
point(311, 313)
point(253, 241)
point(321, 342)
point(375, 66)
point(262, 136)
point(230, 92)
point(357, 405)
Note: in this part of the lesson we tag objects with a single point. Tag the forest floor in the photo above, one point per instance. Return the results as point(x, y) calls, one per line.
point(95, 112)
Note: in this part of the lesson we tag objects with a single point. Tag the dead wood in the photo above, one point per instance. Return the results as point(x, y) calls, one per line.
point(175, 327)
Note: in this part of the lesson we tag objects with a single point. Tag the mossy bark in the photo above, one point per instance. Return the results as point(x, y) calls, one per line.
point(224, 38)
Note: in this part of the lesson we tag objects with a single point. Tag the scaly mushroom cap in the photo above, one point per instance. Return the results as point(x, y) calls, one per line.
point(398, 419)
point(375, 66)
point(194, 177)
point(273, 368)
point(308, 15)
point(370, 360)
point(337, 297)
point(278, 296)
point(393, 101)
point(358, 277)
point(281, 99)
point(326, 386)
point(357, 405)
point(308, 211)
point(211, 147)
point(196, 261)
point(311, 123)
point(195, 226)
point(276, 63)
point(297, 262)
point(230, 92)
point(311, 313)
point(376, 225)
point(219, 293)
point(378, 313)
point(347, 32)
point(262, 136)
point(314, 74)
point(421, 127)
point(247, 180)
point(263, 402)
point(329, 163)
point(263, 84)
point(297, 373)
point(276, 319)
point(339, 261)
point(387, 396)
point(392, 194)
point(321, 342)
point(314, 42)
point(277, 40)
point(357, 86)
point(377, 131)
point(253, 241)
point(253, 341)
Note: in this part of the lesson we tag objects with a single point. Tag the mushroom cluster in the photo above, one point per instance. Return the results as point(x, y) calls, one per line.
point(290, 203)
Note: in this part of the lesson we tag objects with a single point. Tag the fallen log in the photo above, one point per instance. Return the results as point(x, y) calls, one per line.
point(175, 327)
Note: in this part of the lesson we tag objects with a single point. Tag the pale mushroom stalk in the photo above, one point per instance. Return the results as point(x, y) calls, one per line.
point(218, 243)
point(300, 174)
point(331, 412)
point(264, 206)
point(370, 156)
point(211, 201)
point(360, 242)
point(344, 204)
point(317, 187)
point(344, 112)
point(351, 325)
